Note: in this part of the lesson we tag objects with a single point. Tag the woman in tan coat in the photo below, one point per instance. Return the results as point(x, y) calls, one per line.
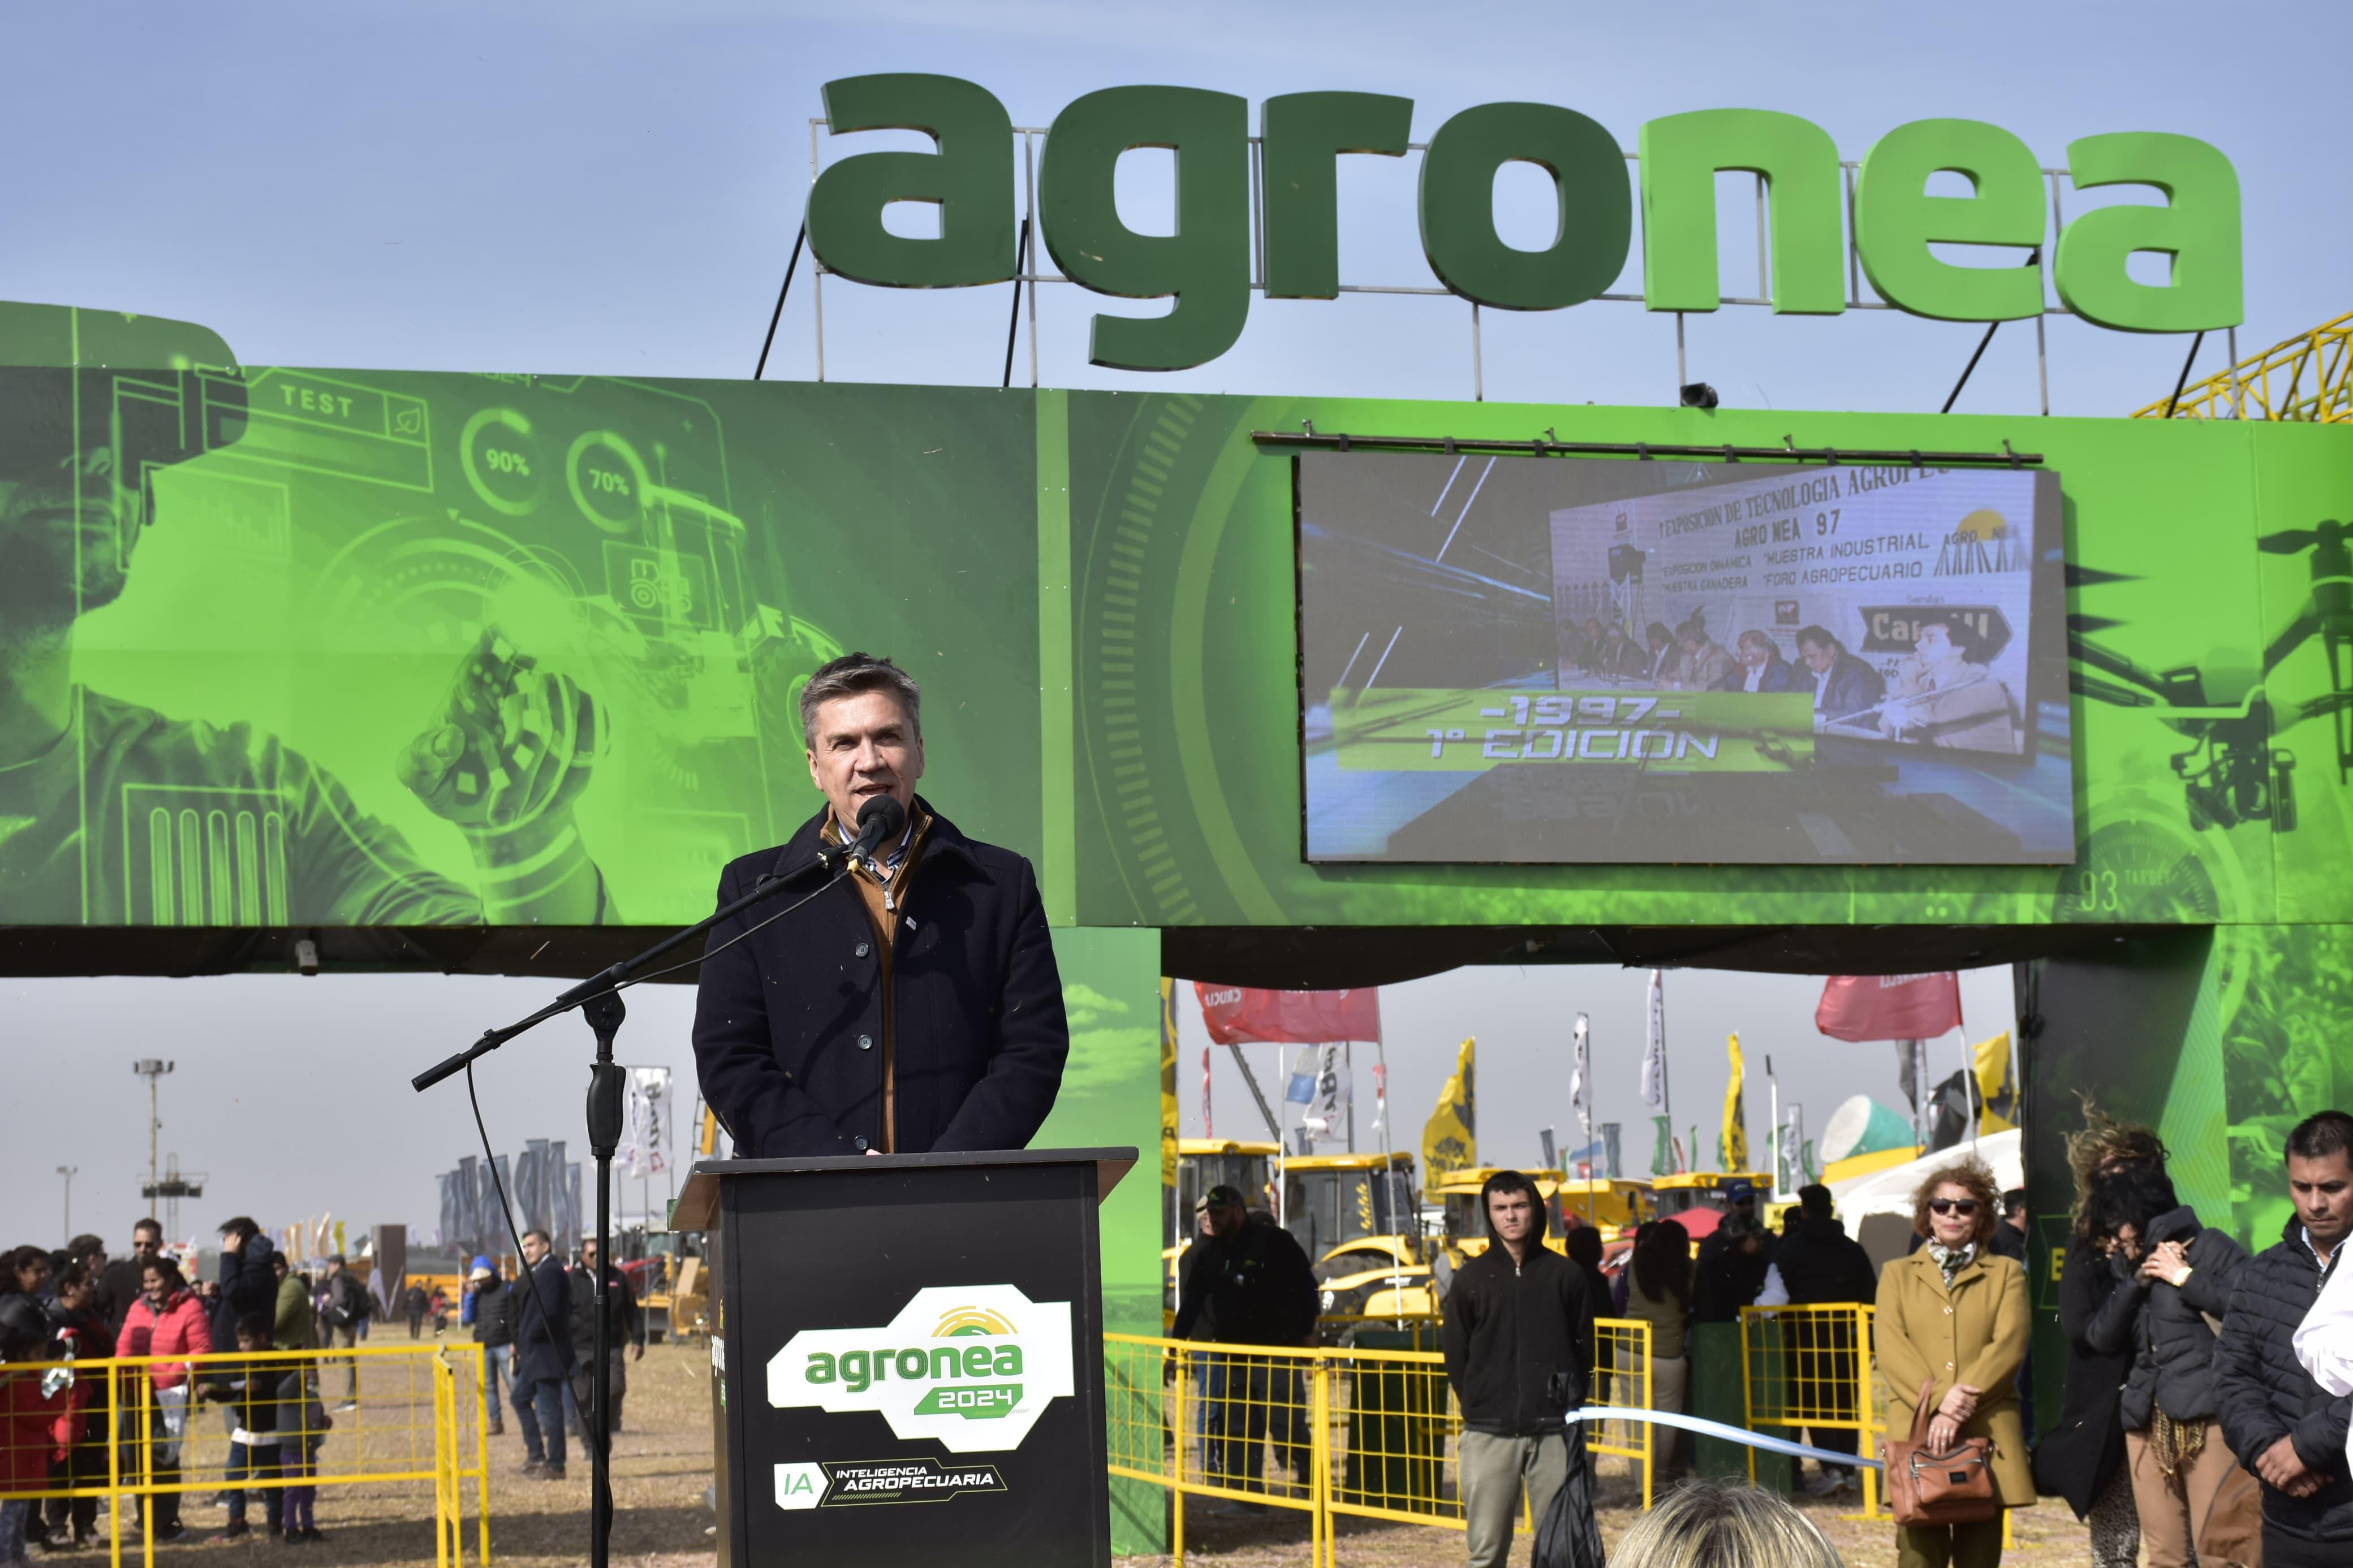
point(1953, 1315)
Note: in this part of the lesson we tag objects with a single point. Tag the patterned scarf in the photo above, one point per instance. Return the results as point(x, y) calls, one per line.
point(1950, 1261)
point(2175, 1443)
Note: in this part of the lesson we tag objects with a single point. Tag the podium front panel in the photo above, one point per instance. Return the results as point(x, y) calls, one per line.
point(912, 1366)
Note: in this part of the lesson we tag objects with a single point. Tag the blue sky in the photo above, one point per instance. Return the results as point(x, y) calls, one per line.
point(607, 187)
point(594, 186)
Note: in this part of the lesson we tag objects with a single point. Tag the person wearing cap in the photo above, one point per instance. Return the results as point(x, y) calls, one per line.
point(1246, 1284)
point(490, 1308)
point(1733, 1261)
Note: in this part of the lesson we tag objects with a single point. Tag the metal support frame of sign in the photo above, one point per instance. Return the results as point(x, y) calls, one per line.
point(1545, 445)
point(1032, 272)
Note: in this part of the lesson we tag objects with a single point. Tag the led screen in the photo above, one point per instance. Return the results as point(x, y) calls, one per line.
point(1515, 659)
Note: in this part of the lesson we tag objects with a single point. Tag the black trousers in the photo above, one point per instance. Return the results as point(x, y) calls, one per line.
point(2283, 1551)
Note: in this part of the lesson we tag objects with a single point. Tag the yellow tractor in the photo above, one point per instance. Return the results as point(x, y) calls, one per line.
point(1613, 1204)
point(1355, 1217)
point(1692, 1189)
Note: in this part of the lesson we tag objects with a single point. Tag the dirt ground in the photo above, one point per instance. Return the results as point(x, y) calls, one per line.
point(662, 1468)
point(1225, 1536)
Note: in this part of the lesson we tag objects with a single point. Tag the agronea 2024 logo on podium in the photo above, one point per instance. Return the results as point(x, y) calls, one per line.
point(972, 1366)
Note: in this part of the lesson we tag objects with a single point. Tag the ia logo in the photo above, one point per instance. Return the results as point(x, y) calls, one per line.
point(972, 1366)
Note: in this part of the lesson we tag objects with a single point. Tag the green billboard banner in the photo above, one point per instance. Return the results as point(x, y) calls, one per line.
point(352, 649)
point(348, 647)
point(2206, 732)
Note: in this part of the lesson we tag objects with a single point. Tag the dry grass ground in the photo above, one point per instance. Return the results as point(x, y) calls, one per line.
point(662, 1465)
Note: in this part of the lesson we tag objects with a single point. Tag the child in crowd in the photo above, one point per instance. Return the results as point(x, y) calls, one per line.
point(303, 1426)
point(250, 1390)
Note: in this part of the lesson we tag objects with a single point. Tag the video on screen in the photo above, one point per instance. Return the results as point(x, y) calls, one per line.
point(1528, 660)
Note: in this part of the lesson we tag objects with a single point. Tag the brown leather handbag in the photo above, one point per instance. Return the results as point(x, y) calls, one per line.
point(1926, 1488)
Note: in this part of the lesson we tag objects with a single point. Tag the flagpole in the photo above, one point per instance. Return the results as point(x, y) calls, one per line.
point(1970, 1094)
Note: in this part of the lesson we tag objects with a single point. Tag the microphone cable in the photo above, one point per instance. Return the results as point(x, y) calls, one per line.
point(490, 1160)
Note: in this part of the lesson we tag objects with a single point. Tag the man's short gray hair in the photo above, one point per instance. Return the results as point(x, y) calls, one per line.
point(851, 674)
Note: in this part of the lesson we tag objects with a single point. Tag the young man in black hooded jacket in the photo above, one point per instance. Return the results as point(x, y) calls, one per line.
point(1518, 1340)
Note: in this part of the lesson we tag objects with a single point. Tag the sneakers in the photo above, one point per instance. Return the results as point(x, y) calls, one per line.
point(347, 1405)
point(551, 1472)
point(530, 1466)
point(498, 1428)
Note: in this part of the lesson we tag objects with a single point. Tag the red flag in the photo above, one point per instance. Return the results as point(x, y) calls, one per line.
point(1889, 1006)
point(1238, 1014)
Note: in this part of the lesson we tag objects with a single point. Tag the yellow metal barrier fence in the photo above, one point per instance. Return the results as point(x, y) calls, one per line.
point(1810, 1368)
point(1359, 1432)
point(150, 1430)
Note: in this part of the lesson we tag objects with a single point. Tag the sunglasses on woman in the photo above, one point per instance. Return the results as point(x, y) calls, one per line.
point(1965, 1207)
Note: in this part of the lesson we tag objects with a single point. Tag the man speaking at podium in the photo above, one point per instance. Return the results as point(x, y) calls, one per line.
point(910, 1006)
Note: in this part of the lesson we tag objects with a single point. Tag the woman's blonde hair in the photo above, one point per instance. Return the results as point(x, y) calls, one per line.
point(1722, 1524)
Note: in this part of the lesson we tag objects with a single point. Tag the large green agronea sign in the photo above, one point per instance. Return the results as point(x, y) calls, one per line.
point(1204, 263)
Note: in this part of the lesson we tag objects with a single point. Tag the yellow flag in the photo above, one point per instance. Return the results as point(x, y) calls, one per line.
point(1169, 1083)
point(1732, 1143)
point(1449, 1138)
point(2000, 1095)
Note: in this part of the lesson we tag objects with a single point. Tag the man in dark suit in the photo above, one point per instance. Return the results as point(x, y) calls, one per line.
point(1663, 654)
point(1846, 691)
point(1761, 667)
point(542, 1355)
point(910, 1006)
point(1617, 655)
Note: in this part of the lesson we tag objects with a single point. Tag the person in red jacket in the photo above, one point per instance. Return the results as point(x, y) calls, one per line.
point(82, 1334)
point(168, 1320)
point(28, 1409)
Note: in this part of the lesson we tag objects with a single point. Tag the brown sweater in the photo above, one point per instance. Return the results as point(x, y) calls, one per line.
point(885, 902)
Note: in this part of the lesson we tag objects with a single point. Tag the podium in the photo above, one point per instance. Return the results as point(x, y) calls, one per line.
point(907, 1357)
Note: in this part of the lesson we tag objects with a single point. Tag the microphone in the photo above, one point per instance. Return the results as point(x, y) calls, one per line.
point(880, 818)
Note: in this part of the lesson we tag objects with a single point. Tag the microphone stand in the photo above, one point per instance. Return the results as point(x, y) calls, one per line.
point(599, 997)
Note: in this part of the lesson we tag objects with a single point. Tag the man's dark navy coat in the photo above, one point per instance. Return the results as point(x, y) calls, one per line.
point(788, 1022)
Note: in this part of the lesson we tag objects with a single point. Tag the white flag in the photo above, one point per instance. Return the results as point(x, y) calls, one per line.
point(1580, 1092)
point(1318, 1092)
point(1654, 1048)
point(648, 1093)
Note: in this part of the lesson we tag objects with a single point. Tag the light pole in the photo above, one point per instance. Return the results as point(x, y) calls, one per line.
point(151, 1069)
point(68, 1172)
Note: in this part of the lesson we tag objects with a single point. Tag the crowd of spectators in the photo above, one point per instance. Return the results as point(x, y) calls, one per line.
point(208, 1343)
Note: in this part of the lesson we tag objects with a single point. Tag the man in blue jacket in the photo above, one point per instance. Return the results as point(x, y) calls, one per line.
point(542, 1355)
point(910, 1006)
point(2283, 1426)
